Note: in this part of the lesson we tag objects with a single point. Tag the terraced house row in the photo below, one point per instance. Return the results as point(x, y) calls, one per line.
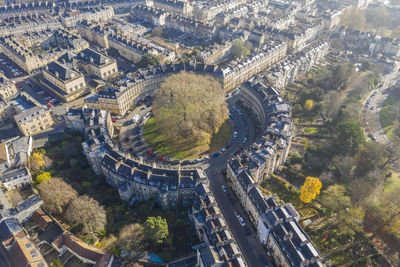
point(119, 99)
point(129, 47)
point(277, 225)
point(170, 188)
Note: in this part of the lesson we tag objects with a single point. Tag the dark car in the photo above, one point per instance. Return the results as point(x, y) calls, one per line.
point(231, 200)
point(215, 155)
point(247, 231)
point(262, 260)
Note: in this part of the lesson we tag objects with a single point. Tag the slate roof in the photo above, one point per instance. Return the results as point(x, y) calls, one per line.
point(13, 174)
point(89, 55)
point(61, 71)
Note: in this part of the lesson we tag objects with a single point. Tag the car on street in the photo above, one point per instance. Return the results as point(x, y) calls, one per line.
point(215, 155)
point(224, 188)
point(231, 200)
point(245, 140)
point(373, 138)
point(247, 231)
point(372, 108)
point(264, 263)
point(237, 214)
point(242, 223)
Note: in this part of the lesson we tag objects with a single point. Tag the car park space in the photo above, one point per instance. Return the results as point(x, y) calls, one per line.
point(9, 68)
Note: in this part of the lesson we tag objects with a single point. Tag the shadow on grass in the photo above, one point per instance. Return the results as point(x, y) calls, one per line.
point(160, 144)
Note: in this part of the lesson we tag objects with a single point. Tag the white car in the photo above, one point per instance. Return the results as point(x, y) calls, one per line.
point(224, 188)
point(245, 140)
point(241, 220)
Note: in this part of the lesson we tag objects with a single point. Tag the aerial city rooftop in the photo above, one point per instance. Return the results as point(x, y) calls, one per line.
point(84, 75)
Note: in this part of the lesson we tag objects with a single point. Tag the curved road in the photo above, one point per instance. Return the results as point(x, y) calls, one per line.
point(249, 245)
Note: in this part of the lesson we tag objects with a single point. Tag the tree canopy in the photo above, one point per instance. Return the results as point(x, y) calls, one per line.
point(86, 212)
point(349, 137)
point(310, 189)
point(156, 229)
point(148, 59)
point(370, 156)
point(335, 199)
point(131, 237)
point(43, 177)
point(56, 194)
point(238, 48)
point(189, 109)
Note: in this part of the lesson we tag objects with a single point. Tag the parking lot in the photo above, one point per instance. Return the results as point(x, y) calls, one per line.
point(9, 68)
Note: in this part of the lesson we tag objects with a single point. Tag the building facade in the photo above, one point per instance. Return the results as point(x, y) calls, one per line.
point(33, 120)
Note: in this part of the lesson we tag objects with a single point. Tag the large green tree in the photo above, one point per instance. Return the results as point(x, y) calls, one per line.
point(156, 229)
point(189, 109)
point(238, 48)
point(349, 137)
point(371, 156)
point(148, 59)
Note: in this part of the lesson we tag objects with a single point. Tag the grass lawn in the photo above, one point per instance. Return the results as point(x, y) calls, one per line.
point(389, 115)
point(392, 183)
point(159, 143)
point(311, 130)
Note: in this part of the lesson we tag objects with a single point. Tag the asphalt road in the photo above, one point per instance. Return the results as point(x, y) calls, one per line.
point(372, 115)
point(249, 245)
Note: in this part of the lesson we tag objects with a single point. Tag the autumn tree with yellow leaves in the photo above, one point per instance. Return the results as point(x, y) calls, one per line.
point(310, 189)
point(309, 104)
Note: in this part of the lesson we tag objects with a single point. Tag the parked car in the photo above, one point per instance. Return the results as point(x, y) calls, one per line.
point(224, 188)
point(247, 231)
point(215, 155)
point(242, 223)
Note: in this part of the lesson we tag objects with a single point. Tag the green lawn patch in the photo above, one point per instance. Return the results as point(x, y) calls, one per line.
point(389, 115)
point(219, 139)
point(392, 183)
point(311, 130)
point(159, 143)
